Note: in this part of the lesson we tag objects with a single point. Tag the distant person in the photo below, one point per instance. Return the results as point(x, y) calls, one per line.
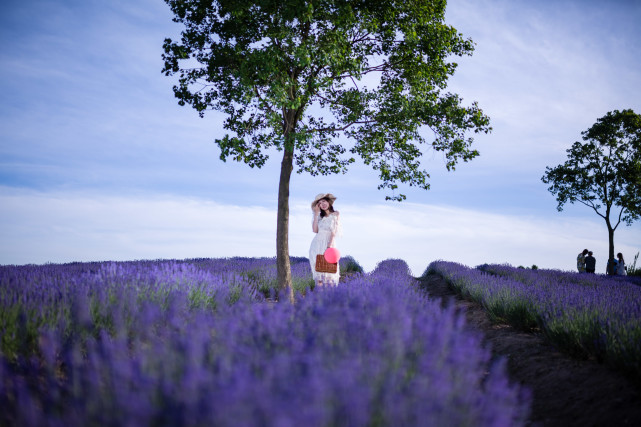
point(611, 268)
point(621, 268)
point(590, 263)
point(326, 225)
point(580, 261)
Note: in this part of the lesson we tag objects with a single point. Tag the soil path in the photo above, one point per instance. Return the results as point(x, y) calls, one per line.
point(565, 391)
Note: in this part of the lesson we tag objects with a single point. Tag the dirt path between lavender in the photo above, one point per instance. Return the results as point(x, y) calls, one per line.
point(566, 391)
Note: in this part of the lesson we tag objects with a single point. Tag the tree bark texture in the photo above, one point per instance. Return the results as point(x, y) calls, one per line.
point(610, 242)
point(282, 228)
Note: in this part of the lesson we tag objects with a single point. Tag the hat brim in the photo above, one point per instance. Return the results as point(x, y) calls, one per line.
point(321, 196)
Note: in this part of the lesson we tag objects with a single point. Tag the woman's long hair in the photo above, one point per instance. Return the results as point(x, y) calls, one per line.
point(330, 209)
point(619, 255)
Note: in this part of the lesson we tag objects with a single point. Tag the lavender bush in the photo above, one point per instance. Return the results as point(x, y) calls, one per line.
point(193, 343)
point(265, 275)
point(103, 294)
point(585, 314)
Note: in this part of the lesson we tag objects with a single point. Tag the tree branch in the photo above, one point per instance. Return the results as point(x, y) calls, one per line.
point(591, 205)
point(341, 129)
point(377, 68)
point(258, 95)
point(619, 219)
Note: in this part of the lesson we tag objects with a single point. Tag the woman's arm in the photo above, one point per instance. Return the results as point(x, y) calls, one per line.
point(330, 244)
point(316, 218)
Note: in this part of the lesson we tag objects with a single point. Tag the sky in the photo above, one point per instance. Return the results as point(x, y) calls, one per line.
point(98, 162)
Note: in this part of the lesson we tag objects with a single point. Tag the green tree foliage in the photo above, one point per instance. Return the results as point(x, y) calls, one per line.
point(300, 75)
point(604, 171)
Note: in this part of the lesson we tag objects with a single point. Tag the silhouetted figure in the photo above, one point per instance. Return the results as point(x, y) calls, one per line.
point(621, 268)
point(590, 263)
point(580, 261)
point(611, 268)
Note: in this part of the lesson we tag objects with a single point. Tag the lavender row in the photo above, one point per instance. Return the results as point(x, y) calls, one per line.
point(584, 314)
point(33, 296)
point(374, 350)
point(36, 296)
point(558, 276)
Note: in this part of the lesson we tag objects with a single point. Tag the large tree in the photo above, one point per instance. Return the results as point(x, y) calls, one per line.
point(604, 171)
point(300, 75)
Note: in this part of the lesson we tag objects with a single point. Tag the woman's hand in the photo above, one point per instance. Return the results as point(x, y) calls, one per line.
point(316, 209)
point(331, 242)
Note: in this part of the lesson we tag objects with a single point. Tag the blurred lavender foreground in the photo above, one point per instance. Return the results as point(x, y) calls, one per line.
point(584, 314)
point(194, 343)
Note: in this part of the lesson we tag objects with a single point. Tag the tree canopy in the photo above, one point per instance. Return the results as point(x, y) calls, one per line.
point(307, 76)
point(604, 171)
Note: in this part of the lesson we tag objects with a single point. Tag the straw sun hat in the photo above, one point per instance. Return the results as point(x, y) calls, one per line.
point(329, 196)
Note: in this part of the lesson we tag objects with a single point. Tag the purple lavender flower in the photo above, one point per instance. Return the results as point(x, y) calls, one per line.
point(586, 314)
point(191, 342)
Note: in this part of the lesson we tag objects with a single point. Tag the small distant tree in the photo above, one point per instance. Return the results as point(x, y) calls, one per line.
point(298, 75)
point(604, 171)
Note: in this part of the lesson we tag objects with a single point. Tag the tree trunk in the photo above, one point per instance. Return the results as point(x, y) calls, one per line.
point(610, 243)
point(282, 229)
point(610, 264)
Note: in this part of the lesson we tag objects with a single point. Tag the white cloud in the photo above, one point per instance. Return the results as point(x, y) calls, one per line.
point(544, 72)
point(82, 119)
point(64, 227)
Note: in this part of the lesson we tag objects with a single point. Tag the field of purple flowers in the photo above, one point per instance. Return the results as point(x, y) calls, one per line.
point(194, 342)
point(585, 314)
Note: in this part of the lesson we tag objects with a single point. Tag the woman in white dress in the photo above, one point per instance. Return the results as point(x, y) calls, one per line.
point(326, 225)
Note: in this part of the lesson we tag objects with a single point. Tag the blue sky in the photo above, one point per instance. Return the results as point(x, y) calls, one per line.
point(98, 162)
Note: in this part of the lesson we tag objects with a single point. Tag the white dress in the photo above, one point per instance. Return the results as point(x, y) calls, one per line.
point(620, 268)
point(326, 227)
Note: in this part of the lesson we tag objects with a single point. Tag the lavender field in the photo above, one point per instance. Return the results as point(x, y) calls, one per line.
point(198, 342)
point(587, 315)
